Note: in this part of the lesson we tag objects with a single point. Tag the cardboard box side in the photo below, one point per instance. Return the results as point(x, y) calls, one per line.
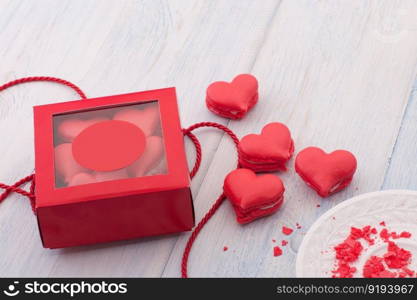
point(116, 219)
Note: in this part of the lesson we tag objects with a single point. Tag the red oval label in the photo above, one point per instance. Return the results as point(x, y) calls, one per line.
point(109, 145)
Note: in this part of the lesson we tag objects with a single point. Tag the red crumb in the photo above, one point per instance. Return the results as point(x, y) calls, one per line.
point(386, 235)
point(344, 270)
point(334, 218)
point(355, 233)
point(348, 251)
point(387, 274)
point(274, 240)
point(396, 257)
point(402, 275)
point(394, 235)
point(298, 226)
point(367, 231)
point(286, 230)
point(405, 234)
point(318, 205)
point(373, 267)
point(277, 251)
point(364, 233)
point(284, 243)
point(408, 271)
point(225, 248)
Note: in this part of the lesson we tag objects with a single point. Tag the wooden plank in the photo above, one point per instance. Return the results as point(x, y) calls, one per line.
point(338, 73)
point(402, 171)
point(110, 47)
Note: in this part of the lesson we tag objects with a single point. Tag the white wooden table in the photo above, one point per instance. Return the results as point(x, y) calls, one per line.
point(340, 74)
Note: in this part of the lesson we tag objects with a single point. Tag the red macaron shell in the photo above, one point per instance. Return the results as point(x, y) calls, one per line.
point(160, 168)
point(65, 165)
point(69, 129)
point(86, 178)
point(268, 151)
point(81, 178)
point(150, 159)
point(327, 173)
point(253, 196)
point(249, 216)
point(111, 175)
point(233, 100)
point(146, 119)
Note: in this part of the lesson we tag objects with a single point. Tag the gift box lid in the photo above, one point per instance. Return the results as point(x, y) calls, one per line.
point(109, 149)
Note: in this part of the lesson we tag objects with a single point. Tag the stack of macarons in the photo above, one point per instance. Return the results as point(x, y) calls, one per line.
point(233, 100)
point(253, 196)
point(268, 151)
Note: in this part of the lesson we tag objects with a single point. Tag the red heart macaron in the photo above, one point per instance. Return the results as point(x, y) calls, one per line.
point(111, 175)
point(150, 159)
point(268, 151)
point(146, 119)
point(69, 129)
point(81, 178)
point(253, 196)
point(87, 177)
point(65, 165)
point(327, 173)
point(232, 100)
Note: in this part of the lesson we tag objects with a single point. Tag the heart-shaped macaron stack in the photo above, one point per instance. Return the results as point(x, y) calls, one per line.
point(325, 173)
point(71, 171)
point(268, 151)
point(253, 196)
point(232, 100)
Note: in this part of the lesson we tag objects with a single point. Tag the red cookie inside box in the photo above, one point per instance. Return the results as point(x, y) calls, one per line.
point(111, 168)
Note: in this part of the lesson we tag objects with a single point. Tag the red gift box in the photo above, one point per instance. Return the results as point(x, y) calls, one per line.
point(111, 168)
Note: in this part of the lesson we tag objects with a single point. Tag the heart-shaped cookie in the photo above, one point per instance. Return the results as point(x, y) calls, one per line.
point(111, 175)
point(232, 100)
point(160, 168)
point(86, 178)
point(81, 178)
point(268, 151)
point(65, 165)
point(325, 173)
point(146, 119)
point(152, 156)
point(253, 196)
point(69, 129)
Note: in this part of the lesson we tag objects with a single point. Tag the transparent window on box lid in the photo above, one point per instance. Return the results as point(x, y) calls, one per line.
point(111, 143)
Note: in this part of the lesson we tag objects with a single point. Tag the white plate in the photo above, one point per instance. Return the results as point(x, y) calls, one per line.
point(398, 208)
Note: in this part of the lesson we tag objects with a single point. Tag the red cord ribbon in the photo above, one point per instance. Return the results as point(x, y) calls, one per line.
point(217, 203)
point(8, 189)
point(44, 78)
